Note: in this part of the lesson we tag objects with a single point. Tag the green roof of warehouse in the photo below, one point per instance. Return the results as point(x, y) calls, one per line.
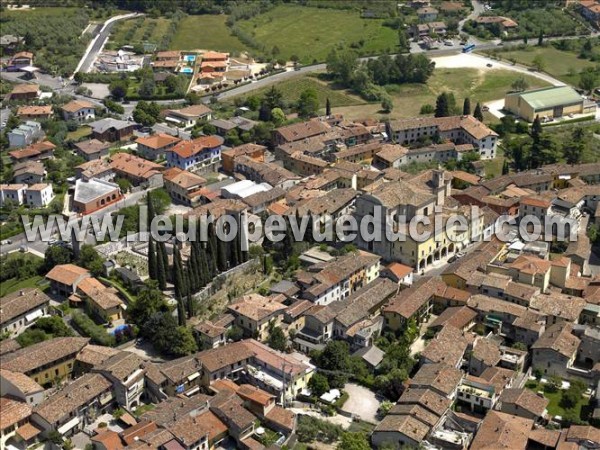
point(550, 97)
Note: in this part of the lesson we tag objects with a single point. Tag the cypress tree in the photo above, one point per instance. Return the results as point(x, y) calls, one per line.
point(467, 107)
point(505, 168)
point(192, 269)
point(165, 260)
point(212, 250)
point(327, 107)
point(536, 130)
point(161, 269)
point(477, 113)
point(181, 313)
point(178, 276)
point(205, 275)
point(222, 250)
point(442, 106)
point(152, 259)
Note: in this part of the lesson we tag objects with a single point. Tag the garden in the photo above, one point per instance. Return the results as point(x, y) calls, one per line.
point(571, 404)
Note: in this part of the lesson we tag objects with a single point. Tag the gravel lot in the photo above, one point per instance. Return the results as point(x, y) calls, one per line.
point(361, 402)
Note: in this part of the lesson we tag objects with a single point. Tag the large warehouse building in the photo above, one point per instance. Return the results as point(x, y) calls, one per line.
point(548, 102)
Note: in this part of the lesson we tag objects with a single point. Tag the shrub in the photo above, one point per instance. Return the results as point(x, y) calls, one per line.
point(427, 109)
point(88, 327)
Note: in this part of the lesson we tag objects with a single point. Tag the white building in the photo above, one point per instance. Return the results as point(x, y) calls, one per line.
point(39, 195)
point(25, 134)
point(14, 193)
point(79, 111)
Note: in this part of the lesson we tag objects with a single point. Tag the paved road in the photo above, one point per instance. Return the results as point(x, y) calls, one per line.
point(97, 43)
point(40, 245)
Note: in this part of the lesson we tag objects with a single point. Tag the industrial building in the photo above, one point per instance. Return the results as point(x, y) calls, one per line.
point(551, 102)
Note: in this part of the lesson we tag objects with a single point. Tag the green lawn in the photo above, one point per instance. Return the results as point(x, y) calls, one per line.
point(559, 64)
point(14, 284)
point(206, 32)
point(58, 11)
point(79, 133)
point(158, 29)
point(311, 33)
point(291, 90)
point(479, 86)
point(554, 407)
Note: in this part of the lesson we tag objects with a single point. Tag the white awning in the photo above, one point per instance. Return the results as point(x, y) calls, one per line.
point(193, 376)
point(67, 426)
point(34, 315)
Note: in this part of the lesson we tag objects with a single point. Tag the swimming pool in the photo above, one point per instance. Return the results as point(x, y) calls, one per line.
point(189, 58)
point(187, 70)
point(120, 328)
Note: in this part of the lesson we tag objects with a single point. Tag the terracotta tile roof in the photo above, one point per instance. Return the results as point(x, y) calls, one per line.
point(106, 298)
point(233, 414)
point(192, 112)
point(485, 304)
point(95, 355)
point(404, 424)
point(134, 166)
point(72, 397)
point(502, 431)
point(427, 398)
point(183, 178)
point(448, 346)
point(465, 176)
point(13, 412)
point(548, 438)
point(224, 384)
point(408, 301)
point(399, 270)
point(302, 130)
point(75, 105)
point(525, 399)
point(215, 359)
point(9, 346)
point(583, 433)
point(187, 149)
point(440, 377)
point(34, 110)
point(22, 382)
point(181, 368)
point(92, 146)
point(32, 150)
point(25, 89)
point(558, 337)
point(157, 141)
point(275, 359)
point(214, 55)
point(67, 274)
point(38, 355)
point(109, 439)
point(282, 417)
point(457, 316)
point(20, 302)
point(567, 307)
point(168, 54)
point(28, 431)
point(256, 307)
point(255, 394)
point(416, 411)
point(190, 429)
point(486, 351)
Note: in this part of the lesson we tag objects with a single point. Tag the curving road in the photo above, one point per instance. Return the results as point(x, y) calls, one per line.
point(97, 43)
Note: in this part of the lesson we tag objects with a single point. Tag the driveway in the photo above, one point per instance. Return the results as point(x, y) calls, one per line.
point(361, 402)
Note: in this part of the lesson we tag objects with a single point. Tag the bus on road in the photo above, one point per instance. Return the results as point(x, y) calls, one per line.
point(468, 48)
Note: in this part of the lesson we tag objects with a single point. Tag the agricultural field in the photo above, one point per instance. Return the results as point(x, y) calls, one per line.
point(206, 32)
point(560, 64)
point(311, 33)
point(57, 42)
point(480, 86)
point(145, 29)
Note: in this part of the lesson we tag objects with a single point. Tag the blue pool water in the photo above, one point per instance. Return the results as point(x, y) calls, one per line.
point(120, 328)
point(187, 70)
point(190, 58)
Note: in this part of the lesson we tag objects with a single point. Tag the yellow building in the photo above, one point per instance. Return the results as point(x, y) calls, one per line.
point(47, 361)
point(101, 301)
point(551, 102)
point(256, 314)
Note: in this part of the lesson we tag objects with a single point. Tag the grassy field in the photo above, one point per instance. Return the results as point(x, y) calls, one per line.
point(479, 86)
point(14, 284)
point(311, 33)
point(559, 64)
point(291, 90)
point(207, 32)
point(158, 26)
point(79, 133)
